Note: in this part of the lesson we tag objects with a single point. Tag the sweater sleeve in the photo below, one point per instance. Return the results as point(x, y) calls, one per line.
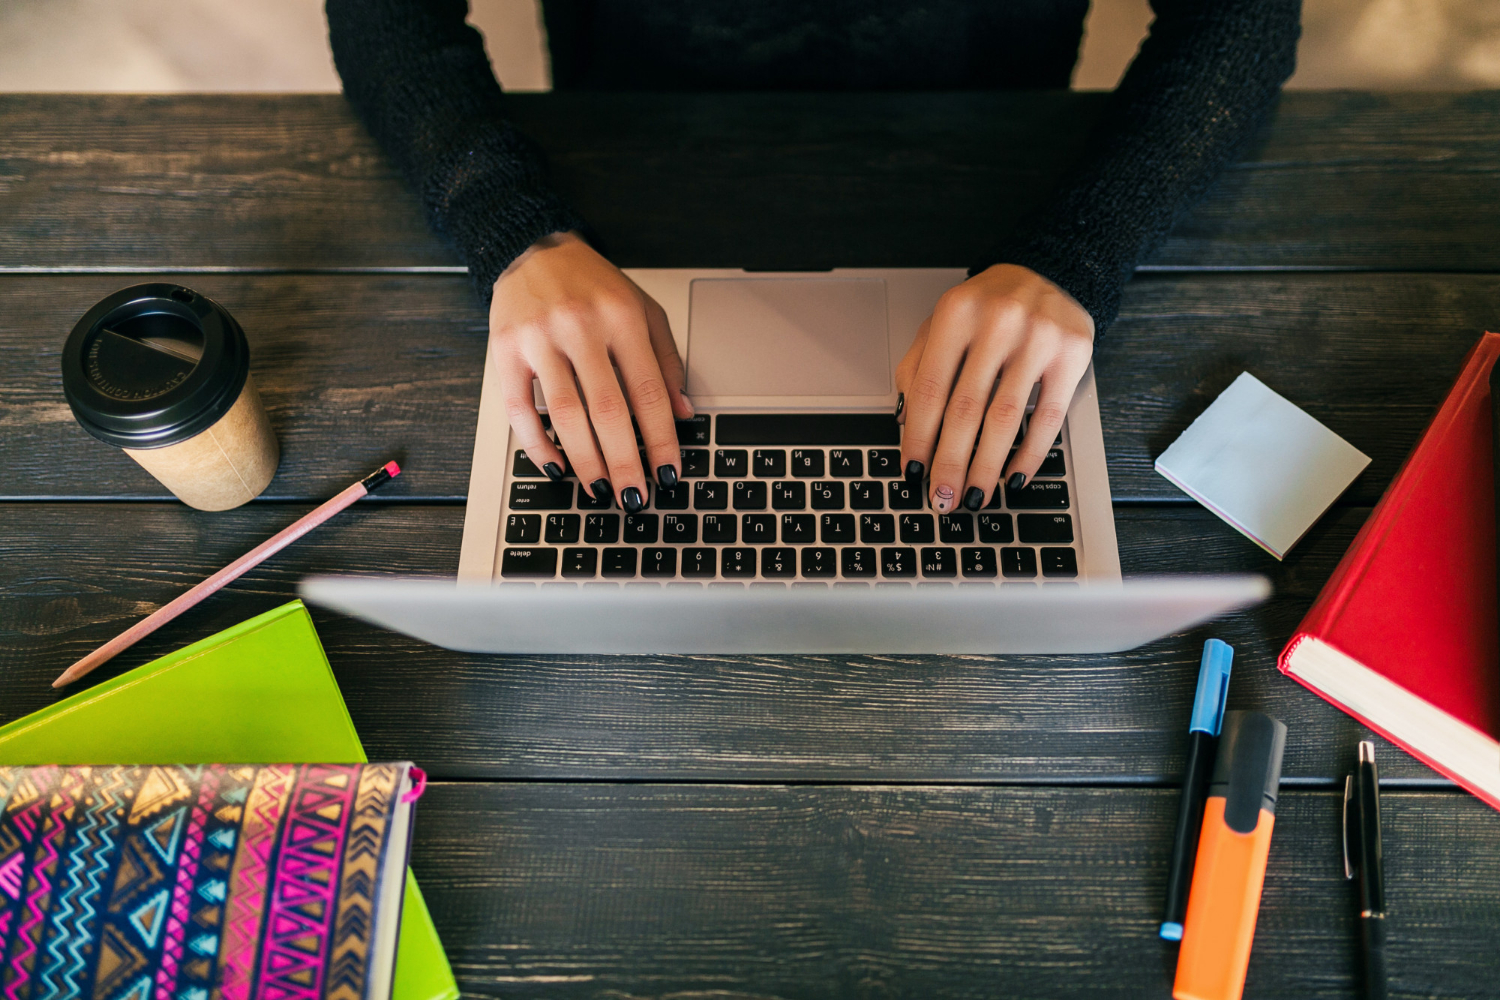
point(418, 77)
point(1204, 80)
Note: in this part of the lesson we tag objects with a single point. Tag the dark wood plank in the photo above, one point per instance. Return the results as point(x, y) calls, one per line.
point(879, 891)
point(76, 575)
point(359, 368)
point(1391, 181)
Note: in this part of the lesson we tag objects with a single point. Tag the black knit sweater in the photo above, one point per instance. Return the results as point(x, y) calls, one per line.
point(1203, 81)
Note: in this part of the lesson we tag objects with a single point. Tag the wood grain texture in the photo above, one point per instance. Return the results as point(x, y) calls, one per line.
point(358, 369)
point(1119, 718)
point(885, 892)
point(1391, 181)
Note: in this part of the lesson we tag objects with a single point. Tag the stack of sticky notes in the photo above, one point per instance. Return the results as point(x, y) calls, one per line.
point(1261, 463)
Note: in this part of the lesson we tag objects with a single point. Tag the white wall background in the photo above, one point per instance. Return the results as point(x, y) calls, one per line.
point(138, 46)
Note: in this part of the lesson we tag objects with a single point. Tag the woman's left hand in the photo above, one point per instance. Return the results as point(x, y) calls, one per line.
point(1007, 321)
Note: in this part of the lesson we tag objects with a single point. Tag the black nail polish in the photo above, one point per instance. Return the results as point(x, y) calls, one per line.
point(666, 476)
point(1016, 481)
point(630, 499)
point(900, 404)
point(974, 499)
point(554, 471)
point(600, 489)
point(915, 471)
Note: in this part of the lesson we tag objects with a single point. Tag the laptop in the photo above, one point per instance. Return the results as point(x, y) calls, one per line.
point(792, 528)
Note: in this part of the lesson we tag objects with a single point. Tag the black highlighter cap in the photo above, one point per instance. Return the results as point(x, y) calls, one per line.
point(1247, 771)
point(153, 365)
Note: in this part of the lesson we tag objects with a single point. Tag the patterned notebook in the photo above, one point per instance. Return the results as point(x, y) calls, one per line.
point(209, 882)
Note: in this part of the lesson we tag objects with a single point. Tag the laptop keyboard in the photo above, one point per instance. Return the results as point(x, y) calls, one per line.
point(778, 499)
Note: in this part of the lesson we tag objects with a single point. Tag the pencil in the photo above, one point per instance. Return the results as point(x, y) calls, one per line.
point(229, 573)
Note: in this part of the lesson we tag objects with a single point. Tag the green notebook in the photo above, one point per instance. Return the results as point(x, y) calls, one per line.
point(260, 692)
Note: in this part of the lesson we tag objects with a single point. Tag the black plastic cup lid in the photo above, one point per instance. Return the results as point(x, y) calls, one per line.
point(153, 365)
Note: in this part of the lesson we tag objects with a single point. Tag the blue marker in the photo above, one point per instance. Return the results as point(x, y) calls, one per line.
point(1203, 743)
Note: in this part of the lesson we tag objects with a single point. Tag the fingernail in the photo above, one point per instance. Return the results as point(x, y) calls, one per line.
point(974, 499)
point(666, 476)
point(915, 471)
point(900, 404)
point(600, 489)
point(630, 499)
point(942, 499)
point(684, 396)
point(554, 471)
point(1016, 481)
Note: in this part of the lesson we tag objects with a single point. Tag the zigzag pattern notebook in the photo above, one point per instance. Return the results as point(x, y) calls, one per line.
point(205, 882)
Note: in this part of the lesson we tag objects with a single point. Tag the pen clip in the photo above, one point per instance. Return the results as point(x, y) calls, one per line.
point(1349, 866)
point(1213, 687)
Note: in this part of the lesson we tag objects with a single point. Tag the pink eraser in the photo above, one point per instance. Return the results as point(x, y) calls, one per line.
point(393, 468)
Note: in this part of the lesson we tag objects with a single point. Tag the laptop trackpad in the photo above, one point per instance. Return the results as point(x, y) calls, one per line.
point(788, 337)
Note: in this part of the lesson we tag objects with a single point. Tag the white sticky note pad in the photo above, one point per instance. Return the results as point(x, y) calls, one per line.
point(1262, 463)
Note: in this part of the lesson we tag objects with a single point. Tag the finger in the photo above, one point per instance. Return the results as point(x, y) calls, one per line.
point(1059, 382)
point(908, 367)
point(651, 400)
point(962, 420)
point(927, 393)
point(668, 360)
point(609, 414)
point(570, 419)
point(1001, 422)
point(525, 422)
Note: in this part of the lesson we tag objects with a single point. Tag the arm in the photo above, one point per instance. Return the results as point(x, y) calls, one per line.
point(1204, 81)
point(560, 314)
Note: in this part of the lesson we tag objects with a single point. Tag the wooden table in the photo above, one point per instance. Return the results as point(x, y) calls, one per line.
point(770, 826)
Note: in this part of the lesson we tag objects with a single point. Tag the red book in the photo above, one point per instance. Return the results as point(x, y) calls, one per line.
point(1404, 636)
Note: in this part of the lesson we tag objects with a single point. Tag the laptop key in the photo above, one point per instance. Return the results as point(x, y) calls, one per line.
point(523, 528)
point(846, 463)
point(587, 500)
point(837, 528)
point(619, 562)
point(694, 430)
point(827, 495)
point(694, 462)
point(1044, 528)
point(698, 563)
point(956, 527)
point(1018, 562)
point(675, 498)
point(807, 462)
point(797, 528)
point(640, 528)
point(738, 562)
point(939, 562)
point(749, 495)
point(1059, 562)
point(877, 529)
point(898, 562)
point(778, 563)
point(580, 562)
point(978, 562)
point(866, 495)
point(759, 528)
point(533, 562)
point(769, 463)
point(562, 529)
point(1039, 494)
point(719, 527)
point(995, 528)
point(916, 528)
point(545, 495)
point(601, 529)
point(679, 529)
point(524, 467)
point(857, 563)
point(885, 463)
point(709, 494)
point(731, 463)
point(904, 495)
point(788, 496)
point(817, 563)
point(1052, 465)
point(658, 562)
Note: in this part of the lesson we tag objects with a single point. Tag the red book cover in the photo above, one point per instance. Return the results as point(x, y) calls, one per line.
point(1413, 602)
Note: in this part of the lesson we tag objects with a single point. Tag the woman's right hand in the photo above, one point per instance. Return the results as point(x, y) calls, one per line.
point(565, 316)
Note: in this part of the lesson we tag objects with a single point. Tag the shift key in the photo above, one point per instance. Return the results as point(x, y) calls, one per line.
point(541, 496)
point(1042, 494)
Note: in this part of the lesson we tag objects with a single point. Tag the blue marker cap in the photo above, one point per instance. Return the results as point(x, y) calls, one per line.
point(1171, 931)
point(1213, 688)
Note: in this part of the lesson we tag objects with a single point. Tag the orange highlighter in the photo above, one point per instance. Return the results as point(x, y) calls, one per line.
point(1231, 865)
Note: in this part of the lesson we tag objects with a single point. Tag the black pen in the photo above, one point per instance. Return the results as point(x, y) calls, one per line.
point(1362, 859)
